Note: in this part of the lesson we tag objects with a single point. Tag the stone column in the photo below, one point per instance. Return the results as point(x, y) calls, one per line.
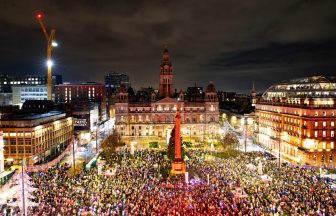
point(178, 154)
point(178, 165)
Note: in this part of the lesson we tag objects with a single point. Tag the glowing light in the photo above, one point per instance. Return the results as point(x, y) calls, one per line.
point(39, 15)
point(54, 44)
point(49, 63)
point(308, 143)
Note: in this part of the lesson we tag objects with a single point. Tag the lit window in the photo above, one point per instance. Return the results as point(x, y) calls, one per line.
point(324, 134)
point(315, 133)
point(324, 145)
point(332, 145)
point(324, 124)
point(332, 134)
point(316, 113)
point(316, 124)
point(324, 113)
point(332, 124)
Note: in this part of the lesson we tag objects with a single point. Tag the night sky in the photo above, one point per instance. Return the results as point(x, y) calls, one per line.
point(229, 42)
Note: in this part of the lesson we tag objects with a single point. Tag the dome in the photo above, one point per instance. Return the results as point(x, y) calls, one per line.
point(307, 87)
point(211, 88)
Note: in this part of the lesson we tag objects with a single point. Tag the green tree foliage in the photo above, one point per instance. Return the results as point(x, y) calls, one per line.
point(230, 141)
point(154, 144)
point(187, 144)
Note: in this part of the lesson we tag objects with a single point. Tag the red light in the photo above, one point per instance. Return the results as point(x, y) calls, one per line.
point(39, 15)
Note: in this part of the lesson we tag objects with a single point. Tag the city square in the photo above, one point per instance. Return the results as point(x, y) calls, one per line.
point(167, 108)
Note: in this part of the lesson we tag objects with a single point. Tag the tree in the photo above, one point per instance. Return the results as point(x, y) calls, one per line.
point(171, 146)
point(230, 141)
point(112, 141)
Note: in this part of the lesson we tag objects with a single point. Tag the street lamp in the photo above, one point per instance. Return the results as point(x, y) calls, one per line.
point(49, 63)
point(73, 152)
point(51, 43)
point(245, 140)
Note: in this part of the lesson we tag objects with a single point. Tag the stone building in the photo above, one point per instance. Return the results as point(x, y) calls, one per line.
point(153, 118)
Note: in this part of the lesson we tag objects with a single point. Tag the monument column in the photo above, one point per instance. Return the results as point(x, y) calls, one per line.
point(178, 165)
point(178, 153)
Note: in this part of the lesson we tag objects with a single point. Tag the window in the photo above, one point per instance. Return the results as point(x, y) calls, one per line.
point(332, 134)
point(324, 113)
point(316, 124)
point(316, 113)
point(331, 145)
point(332, 124)
point(315, 134)
point(324, 133)
point(324, 124)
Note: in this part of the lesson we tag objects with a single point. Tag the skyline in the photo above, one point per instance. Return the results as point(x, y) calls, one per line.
point(228, 43)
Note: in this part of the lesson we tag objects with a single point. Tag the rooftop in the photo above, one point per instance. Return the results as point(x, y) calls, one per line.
point(30, 116)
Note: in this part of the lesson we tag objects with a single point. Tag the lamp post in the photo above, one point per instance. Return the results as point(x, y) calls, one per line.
point(279, 165)
point(23, 195)
point(245, 132)
point(74, 142)
point(97, 134)
point(189, 133)
point(51, 43)
point(97, 138)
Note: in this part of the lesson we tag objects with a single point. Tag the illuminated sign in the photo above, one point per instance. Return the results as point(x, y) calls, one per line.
point(80, 122)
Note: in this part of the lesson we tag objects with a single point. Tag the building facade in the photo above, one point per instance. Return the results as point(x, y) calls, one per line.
point(35, 137)
point(12, 89)
point(28, 92)
point(114, 80)
point(66, 93)
point(299, 117)
point(154, 118)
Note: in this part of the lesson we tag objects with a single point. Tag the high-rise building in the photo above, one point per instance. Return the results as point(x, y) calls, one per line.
point(154, 118)
point(114, 80)
point(299, 117)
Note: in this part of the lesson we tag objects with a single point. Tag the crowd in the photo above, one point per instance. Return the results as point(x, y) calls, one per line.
point(140, 185)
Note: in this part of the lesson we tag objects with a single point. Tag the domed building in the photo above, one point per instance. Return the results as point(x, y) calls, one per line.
point(299, 116)
point(153, 118)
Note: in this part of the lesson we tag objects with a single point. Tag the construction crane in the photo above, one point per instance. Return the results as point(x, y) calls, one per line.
point(51, 43)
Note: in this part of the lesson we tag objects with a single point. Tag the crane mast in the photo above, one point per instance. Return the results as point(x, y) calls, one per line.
point(50, 45)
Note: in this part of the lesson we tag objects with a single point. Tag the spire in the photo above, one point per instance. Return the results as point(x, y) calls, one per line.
point(166, 56)
point(253, 89)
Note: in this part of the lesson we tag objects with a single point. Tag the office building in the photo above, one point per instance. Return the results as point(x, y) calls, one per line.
point(299, 117)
